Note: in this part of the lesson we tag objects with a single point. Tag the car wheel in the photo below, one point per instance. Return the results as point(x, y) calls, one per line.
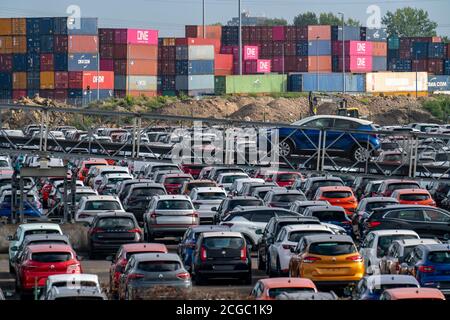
point(285, 148)
point(360, 154)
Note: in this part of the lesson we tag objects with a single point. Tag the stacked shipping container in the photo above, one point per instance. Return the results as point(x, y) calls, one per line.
point(166, 66)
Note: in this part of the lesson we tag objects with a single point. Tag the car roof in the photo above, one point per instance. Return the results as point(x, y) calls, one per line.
point(393, 231)
point(94, 198)
point(50, 248)
point(303, 227)
point(415, 293)
point(49, 236)
point(325, 178)
point(210, 189)
point(171, 197)
point(325, 208)
point(147, 184)
point(293, 218)
point(285, 191)
point(379, 199)
point(156, 257)
point(360, 121)
point(335, 188)
point(37, 226)
point(180, 174)
point(239, 173)
point(311, 203)
point(134, 247)
point(73, 277)
point(224, 234)
point(382, 279)
point(200, 181)
point(112, 214)
point(209, 228)
point(388, 181)
point(404, 206)
point(286, 282)
point(414, 242)
point(436, 247)
point(327, 237)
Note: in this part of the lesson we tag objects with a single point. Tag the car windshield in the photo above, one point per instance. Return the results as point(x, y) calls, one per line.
point(332, 248)
point(159, 266)
point(273, 293)
point(116, 223)
point(174, 205)
point(295, 236)
point(102, 205)
point(378, 289)
point(337, 194)
point(374, 187)
point(244, 203)
point(148, 192)
point(51, 257)
point(372, 205)
point(384, 242)
point(117, 180)
point(176, 180)
point(398, 186)
point(414, 197)
point(439, 257)
point(223, 242)
point(288, 198)
point(29, 198)
point(287, 176)
point(211, 196)
point(40, 231)
point(336, 216)
point(4, 164)
point(230, 179)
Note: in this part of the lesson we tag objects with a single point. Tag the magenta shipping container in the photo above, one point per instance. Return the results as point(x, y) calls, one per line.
point(278, 33)
point(360, 63)
point(264, 66)
point(106, 64)
point(139, 36)
point(353, 48)
point(251, 52)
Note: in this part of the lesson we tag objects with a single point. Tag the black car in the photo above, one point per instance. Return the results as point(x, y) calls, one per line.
point(247, 189)
point(270, 233)
point(300, 206)
point(139, 197)
point(221, 255)
point(283, 198)
point(439, 192)
point(359, 185)
point(312, 184)
point(229, 204)
point(108, 231)
point(428, 222)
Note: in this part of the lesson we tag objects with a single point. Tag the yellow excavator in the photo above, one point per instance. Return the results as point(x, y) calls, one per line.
point(342, 108)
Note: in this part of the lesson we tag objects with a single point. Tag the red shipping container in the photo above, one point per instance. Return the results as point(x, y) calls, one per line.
point(120, 67)
point(266, 49)
point(103, 80)
point(379, 49)
point(167, 53)
point(255, 34)
point(250, 66)
point(264, 66)
point(61, 44)
point(120, 51)
point(290, 49)
point(61, 80)
point(106, 65)
point(279, 48)
point(83, 44)
point(106, 36)
point(278, 64)
point(167, 68)
point(6, 62)
point(120, 36)
point(323, 32)
point(223, 62)
point(60, 95)
point(278, 33)
point(140, 51)
point(358, 64)
point(245, 33)
point(436, 66)
point(251, 52)
point(107, 51)
point(420, 65)
point(47, 94)
point(448, 51)
point(266, 33)
point(47, 62)
point(199, 42)
point(353, 48)
point(75, 80)
point(211, 32)
point(291, 33)
point(301, 33)
point(405, 54)
point(319, 64)
point(142, 67)
point(229, 49)
point(18, 94)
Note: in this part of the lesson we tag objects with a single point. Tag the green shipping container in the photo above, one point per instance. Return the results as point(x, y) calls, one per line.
point(270, 83)
point(393, 43)
point(220, 85)
point(169, 93)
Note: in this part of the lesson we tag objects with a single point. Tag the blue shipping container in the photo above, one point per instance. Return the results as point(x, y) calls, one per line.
point(82, 62)
point(46, 26)
point(5, 94)
point(82, 26)
point(438, 83)
point(47, 43)
point(34, 80)
point(75, 94)
point(19, 62)
point(33, 62)
point(33, 44)
point(436, 50)
point(314, 48)
point(61, 61)
point(393, 54)
point(400, 65)
point(60, 25)
point(189, 83)
point(420, 50)
point(32, 92)
point(195, 67)
point(328, 82)
point(5, 81)
point(447, 67)
point(379, 63)
point(33, 26)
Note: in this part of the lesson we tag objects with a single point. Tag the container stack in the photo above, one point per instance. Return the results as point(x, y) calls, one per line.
point(166, 66)
point(326, 82)
point(133, 56)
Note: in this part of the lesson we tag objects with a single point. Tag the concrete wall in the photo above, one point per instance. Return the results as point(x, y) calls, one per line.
point(77, 234)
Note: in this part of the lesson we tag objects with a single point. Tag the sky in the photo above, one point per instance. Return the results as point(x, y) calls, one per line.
point(170, 16)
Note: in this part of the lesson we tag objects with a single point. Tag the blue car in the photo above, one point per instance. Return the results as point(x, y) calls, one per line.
point(430, 264)
point(332, 215)
point(353, 146)
point(371, 287)
point(186, 247)
point(31, 205)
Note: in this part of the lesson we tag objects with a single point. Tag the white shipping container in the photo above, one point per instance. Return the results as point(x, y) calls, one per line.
point(194, 82)
point(396, 81)
point(201, 52)
point(142, 83)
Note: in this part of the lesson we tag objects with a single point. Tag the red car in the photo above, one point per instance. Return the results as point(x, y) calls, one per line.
point(123, 255)
point(48, 187)
point(37, 262)
point(286, 178)
point(174, 181)
point(193, 169)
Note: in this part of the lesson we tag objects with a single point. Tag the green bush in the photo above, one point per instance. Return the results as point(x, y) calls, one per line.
point(439, 107)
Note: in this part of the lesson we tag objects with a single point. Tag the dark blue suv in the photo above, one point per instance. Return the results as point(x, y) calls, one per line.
point(338, 141)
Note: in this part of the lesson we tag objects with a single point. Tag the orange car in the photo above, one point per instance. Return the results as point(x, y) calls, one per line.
point(339, 196)
point(269, 289)
point(85, 165)
point(412, 294)
point(414, 196)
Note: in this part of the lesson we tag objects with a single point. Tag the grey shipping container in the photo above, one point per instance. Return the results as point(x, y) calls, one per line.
point(438, 83)
point(135, 83)
point(83, 62)
point(379, 63)
point(350, 33)
point(82, 26)
point(195, 67)
point(376, 34)
point(195, 53)
point(188, 83)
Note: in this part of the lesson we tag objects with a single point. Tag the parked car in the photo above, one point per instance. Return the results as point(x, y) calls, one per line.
point(193, 169)
point(390, 185)
point(174, 181)
point(91, 206)
point(217, 171)
point(221, 255)
point(286, 178)
point(300, 206)
point(124, 187)
point(371, 189)
point(69, 281)
point(312, 184)
point(238, 185)
point(151, 168)
point(283, 198)
point(139, 196)
point(412, 294)
point(32, 206)
point(249, 188)
point(120, 260)
point(313, 296)
point(328, 259)
point(332, 215)
point(69, 294)
point(414, 196)
point(376, 243)
point(230, 203)
point(270, 289)
point(188, 186)
point(108, 231)
point(260, 192)
point(281, 251)
point(359, 185)
point(205, 199)
point(397, 252)
point(338, 196)
point(371, 287)
point(226, 180)
point(109, 182)
point(147, 270)
point(169, 215)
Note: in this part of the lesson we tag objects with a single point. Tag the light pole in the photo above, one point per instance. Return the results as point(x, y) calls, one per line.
point(240, 38)
point(343, 52)
point(203, 9)
point(317, 62)
point(417, 66)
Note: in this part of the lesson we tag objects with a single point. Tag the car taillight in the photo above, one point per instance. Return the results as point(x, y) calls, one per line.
point(311, 259)
point(74, 268)
point(184, 276)
point(356, 258)
point(135, 276)
point(193, 215)
point(426, 269)
point(244, 253)
point(97, 230)
point(373, 224)
point(203, 254)
point(136, 230)
point(153, 216)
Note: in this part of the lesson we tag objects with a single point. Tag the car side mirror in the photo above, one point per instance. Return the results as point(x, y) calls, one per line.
point(259, 232)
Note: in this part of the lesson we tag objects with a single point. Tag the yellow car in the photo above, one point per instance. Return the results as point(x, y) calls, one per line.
point(327, 259)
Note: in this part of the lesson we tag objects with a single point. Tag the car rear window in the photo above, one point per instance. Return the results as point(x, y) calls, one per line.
point(372, 205)
point(393, 157)
point(117, 180)
point(326, 183)
point(288, 198)
point(40, 231)
point(76, 284)
point(102, 205)
point(164, 168)
point(414, 197)
point(230, 179)
point(295, 236)
point(273, 293)
point(174, 205)
point(211, 196)
point(332, 248)
point(223, 242)
point(384, 242)
point(148, 192)
point(338, 216)
point(115, 223)
point(130, 254)
point(245, 203)
point(287, 176)
point(439, 257)
point(159, 266)
point(51, 257)
point(378, 289)
point(191, 186)
point(337, 194)
point(398, 186)
point(176, 180)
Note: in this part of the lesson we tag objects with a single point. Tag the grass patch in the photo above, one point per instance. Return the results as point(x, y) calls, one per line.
point(438, 107)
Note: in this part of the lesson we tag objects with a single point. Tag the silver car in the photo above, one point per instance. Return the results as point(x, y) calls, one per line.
point(205, 199)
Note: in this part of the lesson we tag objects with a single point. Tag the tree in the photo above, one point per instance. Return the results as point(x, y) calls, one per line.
point(334, 20)
point(275, 22)
point(306, 19)
point(352, 23)
point(409, 22)
point(216, 24)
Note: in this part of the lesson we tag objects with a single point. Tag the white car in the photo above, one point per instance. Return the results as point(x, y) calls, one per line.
point(204, 199)
point(104, 170)
point(226, 180)
point(239, 184)
point(90, 206)
point(70, 281)
point(281, 251)
point(5, 163)
point(110, 181)
point(376, 243)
